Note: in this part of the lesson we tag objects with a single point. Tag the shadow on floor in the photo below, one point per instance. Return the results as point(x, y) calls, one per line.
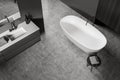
point(110, 68)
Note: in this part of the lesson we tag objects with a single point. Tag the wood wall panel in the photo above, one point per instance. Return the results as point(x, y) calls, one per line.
point(109, 13)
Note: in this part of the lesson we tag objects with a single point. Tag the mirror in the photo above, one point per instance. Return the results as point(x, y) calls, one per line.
point(8, 8)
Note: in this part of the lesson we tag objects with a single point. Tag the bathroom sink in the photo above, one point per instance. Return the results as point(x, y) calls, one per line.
point(17, 33)
point(83, 35)
point(9, 36)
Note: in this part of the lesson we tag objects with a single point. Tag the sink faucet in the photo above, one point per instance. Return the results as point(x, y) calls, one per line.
point(13, 26)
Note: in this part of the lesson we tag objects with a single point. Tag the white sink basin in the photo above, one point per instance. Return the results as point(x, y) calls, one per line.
point(86, 37)
point(17, 33)
point(13, 35)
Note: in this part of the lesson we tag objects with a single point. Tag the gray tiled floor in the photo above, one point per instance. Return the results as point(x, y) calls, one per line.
point(56, 58)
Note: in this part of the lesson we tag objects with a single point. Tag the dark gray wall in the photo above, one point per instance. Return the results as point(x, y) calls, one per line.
point(87, 6)
point(108, 12)
point(33, 7)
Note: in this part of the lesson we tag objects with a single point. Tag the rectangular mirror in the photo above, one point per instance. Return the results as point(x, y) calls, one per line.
point(10, 9)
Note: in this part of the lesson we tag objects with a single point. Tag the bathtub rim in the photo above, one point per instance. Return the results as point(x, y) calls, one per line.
point(68, 34)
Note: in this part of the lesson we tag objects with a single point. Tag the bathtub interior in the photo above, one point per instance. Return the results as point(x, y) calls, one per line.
point(86, 35)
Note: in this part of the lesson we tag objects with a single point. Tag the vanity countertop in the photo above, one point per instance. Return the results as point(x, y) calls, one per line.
point(30, 28)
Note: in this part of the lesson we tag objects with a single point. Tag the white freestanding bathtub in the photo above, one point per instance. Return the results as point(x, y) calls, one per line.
point(85, 36)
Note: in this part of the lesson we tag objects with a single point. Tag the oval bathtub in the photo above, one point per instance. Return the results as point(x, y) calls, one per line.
point(85, 36)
